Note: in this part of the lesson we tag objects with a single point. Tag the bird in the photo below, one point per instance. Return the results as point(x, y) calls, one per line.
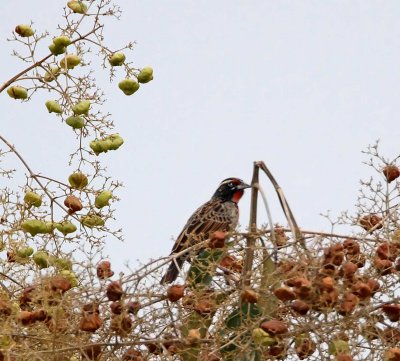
point(220, 213)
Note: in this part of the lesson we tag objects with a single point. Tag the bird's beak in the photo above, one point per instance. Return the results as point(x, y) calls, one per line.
point(243, 186)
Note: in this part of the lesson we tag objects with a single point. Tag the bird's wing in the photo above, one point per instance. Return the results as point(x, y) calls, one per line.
point(207, 219)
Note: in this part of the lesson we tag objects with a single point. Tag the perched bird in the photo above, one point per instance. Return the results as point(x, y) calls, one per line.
point(220, 213)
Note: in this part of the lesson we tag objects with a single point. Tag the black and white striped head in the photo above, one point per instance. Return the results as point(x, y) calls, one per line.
point(231, 189)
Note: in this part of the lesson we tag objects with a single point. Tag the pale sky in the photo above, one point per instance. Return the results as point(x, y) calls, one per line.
point(303, 85)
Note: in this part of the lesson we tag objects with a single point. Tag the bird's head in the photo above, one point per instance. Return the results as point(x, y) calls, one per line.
point(231, 189)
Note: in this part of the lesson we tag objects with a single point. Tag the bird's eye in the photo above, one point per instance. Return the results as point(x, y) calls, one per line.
point(230, 184)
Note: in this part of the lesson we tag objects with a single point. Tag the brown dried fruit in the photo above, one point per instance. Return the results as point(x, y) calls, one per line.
point(343, 357)
point(303, 289)
point(27, 296)
point(39, 315)
point(277, 351)
point(327, 284)
point(204, 307)
point(231, 263)
point(26, 318)
point(370, 221)
point(280, 236)
point(285, 294)
point(92, 307)
point(249, 296)
point(193, 336)
point(328, 299)
point(373, 285)
point(103, 270)
point(387, 251)
point(348, 304)
point(305, 347)
point(90, 322)
point(392, 312)
point(121, 324)
point(5, 308)
point(60, 284)
point(391, 172)
point(73, 204)
point(358, 259)
point(114, 291)
point(300, 307)
point(361, 289)
point(217, 240)
point(154, 348)
point(175, 292)
point(351, 246)
point(391, 335)
point(348, 270)
point(133, 355)
point(393, 354)
point(274, 327)
point(91, 352)
point(383, 266)
point(133, 307)
point(116, 307)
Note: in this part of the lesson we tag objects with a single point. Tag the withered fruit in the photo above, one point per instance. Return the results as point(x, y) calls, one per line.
point(91, 352)
point(361, 289)
point(371, 222)
point(305, 346)
point(204, 307)
point(114, 291)
point(217, 240)
point(175, 292)
point(121, 324)
point(391, 172)
point(73, 204)
point(231, 263)
point(5, 308)
point(193, 336)
point(70, 276)
point(285, 293)
point(348, 270)
point(392, 312)
point(388, 251)
point(249, 296)
point(343, 357)
point(116, 307)
point(274, 327)
point(92, 307)
point(348, 304)
point(60, 283)
point(90, 322)
point(133, 355)
point(393, 354)
point(301, 307)
point(26, 318)
point(383, 266)
point(103, 270)
point(133, 307)
point(351, 246)
point(373, 285)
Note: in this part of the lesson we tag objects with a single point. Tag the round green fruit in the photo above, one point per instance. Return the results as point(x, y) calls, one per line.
point(117, 59)
point(41, 258)
point(128, 86)
point(103, 199)
point(75, 122)
point(32, 199)
point(145, 75)
point(70, 61)
point(24, 30)
point(52, 74)
point(92, 221)
point(62, 263)
point(338, 346)
point(263, 338)
point(53, 107)
point(62, 41)
point(33, 226)
point(77, 7)
point(57, 50)
point(78, 180)
point(66, 227)
point(116, 141)
point(81, 107)
point(70, 276)
point(17, 92)
point(25, 252)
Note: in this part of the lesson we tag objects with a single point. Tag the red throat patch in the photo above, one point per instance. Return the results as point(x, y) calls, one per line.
point(237, 195)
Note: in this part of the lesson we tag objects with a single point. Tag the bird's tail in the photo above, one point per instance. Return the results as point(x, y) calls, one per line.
point(173, 271)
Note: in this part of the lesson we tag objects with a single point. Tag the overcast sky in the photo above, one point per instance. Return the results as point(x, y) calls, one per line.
point(303, 85)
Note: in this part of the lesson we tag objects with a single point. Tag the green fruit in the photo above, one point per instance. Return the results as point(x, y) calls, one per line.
point(82, 107)
point(41, 258)
point(53, 107)
point(70, 61)
point(66, 227)
point(145, 75)
point(57, 50)
point(63, 264)
point(52, 74)
point(263, 338)
point(128, 86)
point(17, 92)
point(24, 30)
point(77, 7)
point(78, 180)
point(92, 220)
point(32, 199)
point(70, 276)
point(75, 122)
point(338, 346)
point(112, 142)
point(25, 252)
point(102, 199)
point(62, 41)
point(34, 226)
point(117, 59)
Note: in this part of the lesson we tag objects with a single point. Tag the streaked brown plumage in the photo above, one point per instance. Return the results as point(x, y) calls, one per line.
point(220, 213)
